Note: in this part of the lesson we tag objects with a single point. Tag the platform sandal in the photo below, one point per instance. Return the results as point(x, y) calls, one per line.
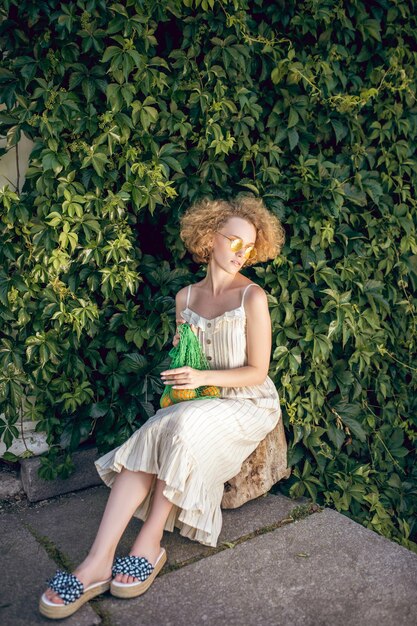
point(72, 592)
point(138, 567)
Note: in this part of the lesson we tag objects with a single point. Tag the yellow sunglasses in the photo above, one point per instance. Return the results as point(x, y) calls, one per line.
point(236, 244)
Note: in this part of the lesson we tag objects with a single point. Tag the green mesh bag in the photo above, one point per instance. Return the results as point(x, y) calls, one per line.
point(188, 351)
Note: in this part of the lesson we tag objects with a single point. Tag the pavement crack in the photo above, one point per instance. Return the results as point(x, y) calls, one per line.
point(102, 613)
point(50, 548)
point(299, 512)
point(65, 563)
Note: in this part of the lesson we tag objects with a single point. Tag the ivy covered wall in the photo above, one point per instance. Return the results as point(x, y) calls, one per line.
point(138, 108)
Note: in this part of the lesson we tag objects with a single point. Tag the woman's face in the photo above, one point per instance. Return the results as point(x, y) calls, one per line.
point(222, 253)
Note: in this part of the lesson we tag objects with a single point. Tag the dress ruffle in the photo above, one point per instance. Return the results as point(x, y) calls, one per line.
point(196, 507)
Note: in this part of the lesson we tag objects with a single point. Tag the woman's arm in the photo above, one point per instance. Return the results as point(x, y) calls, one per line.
point(180, 300)
point(258, 337)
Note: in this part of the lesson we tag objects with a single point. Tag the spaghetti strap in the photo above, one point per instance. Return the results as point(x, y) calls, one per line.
point(188, 295)
point(245, 290)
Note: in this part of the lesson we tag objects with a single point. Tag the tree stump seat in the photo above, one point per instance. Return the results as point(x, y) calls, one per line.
point(260, 471)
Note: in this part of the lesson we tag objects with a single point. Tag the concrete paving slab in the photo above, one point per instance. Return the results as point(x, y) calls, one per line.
point(70, 522)
point(324, 570)
point(250, 517)
point(85, 509)
point(24, 568)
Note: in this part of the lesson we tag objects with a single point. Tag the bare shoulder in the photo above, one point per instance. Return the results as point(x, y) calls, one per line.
point(256, 301)
point(181, 298)
point(256, 296)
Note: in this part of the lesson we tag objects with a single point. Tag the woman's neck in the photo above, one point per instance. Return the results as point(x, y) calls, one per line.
point(217, 281)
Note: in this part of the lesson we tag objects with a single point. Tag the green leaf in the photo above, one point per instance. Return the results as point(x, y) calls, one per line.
point(5, 284)
point(293, 119)
point(293, 138)
point(340, 129)
point(355, 427)
point(134, 362)
point(98, 409)
point(110, 53)
point(13, 136)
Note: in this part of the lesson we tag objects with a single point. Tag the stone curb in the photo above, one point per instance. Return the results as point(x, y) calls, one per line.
point(85, 475)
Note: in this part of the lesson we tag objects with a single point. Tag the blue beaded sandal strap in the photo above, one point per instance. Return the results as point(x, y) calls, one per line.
point(67, 586)
point(136, 566)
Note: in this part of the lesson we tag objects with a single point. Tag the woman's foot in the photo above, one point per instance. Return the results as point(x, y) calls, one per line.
point(150, 552)
point(90, 571)
point(137, 574)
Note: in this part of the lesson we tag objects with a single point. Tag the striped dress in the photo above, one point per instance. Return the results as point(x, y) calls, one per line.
point(197, 445)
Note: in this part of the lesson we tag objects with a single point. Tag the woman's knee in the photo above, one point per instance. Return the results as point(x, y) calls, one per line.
point(137, 476)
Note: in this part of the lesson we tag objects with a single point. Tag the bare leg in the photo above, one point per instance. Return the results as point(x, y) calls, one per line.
point(148, 541)
point(128, 491)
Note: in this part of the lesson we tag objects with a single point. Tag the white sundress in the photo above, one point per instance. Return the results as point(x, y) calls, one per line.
point(197, 445)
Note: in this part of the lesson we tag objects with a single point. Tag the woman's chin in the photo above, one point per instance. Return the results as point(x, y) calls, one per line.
point(230, 268)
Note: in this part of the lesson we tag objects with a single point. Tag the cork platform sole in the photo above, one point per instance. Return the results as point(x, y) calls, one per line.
point(60, 611)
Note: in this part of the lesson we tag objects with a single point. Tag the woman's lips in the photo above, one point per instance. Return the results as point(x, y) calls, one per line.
point(236, 263)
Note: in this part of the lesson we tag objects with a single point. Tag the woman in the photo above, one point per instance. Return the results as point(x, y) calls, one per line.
point(172, 470)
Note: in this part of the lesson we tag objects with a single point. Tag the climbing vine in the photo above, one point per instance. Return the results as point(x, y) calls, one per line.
point(138, 108)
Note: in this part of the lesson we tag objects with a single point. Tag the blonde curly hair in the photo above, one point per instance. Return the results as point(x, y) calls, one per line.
point(202, 219)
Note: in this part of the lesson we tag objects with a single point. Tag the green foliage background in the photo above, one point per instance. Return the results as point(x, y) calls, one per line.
point(139, 108)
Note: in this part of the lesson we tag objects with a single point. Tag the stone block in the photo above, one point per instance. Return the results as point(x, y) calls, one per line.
point(37, 488)
point(263, 468)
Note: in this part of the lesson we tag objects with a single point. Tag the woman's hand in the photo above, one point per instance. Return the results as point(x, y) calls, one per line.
point(184, 377)
point(176, 338)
